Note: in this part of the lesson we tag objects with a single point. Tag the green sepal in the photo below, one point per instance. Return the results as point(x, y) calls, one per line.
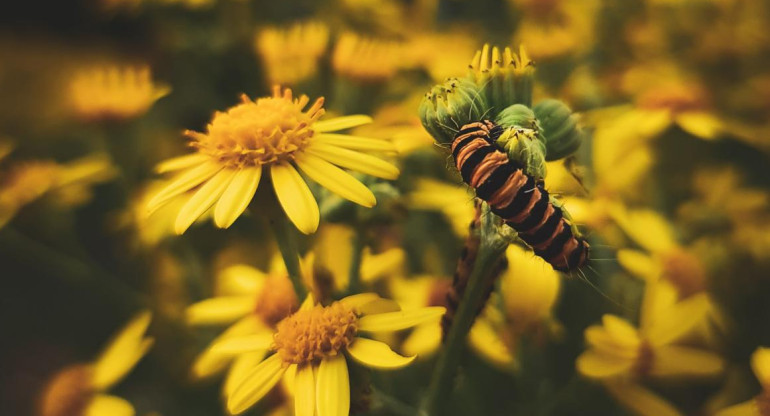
point(560, 128)
point(449, 106)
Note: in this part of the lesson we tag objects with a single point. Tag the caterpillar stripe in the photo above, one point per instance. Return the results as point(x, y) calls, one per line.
point(516, 197)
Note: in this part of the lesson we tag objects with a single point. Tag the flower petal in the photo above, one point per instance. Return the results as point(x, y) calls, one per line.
point(641, 400)
point(639, 264)
point(375, 266)
point(341, 123)
point(237, 196)
point(678, 320)
point(295, 198)
point(357, 142)
point(240, 368)
point(123, 352)
point(181, 162)
point(103, 404)
point(597, 365)
point(760, 363)
point(240, 279)
point(335, 180)
point(256, 385)
point(377, 354)
point(359, 299)
point(333, 387)
point(182, 183)
point(248, 343)
point(393, 321)
point(485, 340)
point(209, 362)
point(353, 160)
point(304, 391)
point(620, 330)
point(747, 408)
point(700, 124)
point(219, 310)
point(203, 199)
point(423, 340)
point(676, 361)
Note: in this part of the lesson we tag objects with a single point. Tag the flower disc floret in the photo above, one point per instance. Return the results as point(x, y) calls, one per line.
point(312, 334)
point(254, 133)
point(69, 392)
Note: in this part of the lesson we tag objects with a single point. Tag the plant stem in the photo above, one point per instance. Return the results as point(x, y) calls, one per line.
point(442, 380)
point(287, 244)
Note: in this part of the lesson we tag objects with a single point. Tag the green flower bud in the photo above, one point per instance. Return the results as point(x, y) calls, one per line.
point(504, 78)
point(523, 146)
point(560, 128)
point(519, 116)
point(449, 106)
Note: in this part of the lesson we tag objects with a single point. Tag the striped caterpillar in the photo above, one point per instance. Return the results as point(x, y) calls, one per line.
point(520, 200)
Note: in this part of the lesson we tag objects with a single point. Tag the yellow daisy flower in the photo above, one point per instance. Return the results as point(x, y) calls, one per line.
point(79, 390)
point(314, 343)
point(619, 350)
point(275, 135)
point(291, 54)
point(760, 404)
point(114, 92)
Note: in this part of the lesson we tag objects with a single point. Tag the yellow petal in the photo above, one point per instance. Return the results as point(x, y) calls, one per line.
point(639, 264)
point(183, 182)
point(341, 123)
point(358, 300)
point(486, 341)
point(394, 321)
point(308, 303)
point(304, 391)
point(357, 142)
point(597, 365)
point(423, 340)
point(181, 162)
point(240, 279)
point(350, 159)
point(659, 297)
point(747, 408)
point(203, 199)
point(219, 310)
point(700, 124)
point(335, 179)
point(646, 227)
point(295, 198)
point(256, 385)
point(376, 306)
point(240, 368)
point(641, 400)
point(620, 330)
point(676, 361)
point(375, 266)
point(760, 363)
point(123, 352)
point(106, 405)
point(601, 340)
point(248, 343)
point(681, 318)
point(333, 387)
point(237, 196)
point(376, 354)
point(209, 362)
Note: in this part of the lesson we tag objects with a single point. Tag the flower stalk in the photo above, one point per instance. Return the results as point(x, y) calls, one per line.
point(287, 245)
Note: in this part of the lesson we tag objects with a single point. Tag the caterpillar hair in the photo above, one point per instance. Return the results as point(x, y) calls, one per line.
point(516, 197)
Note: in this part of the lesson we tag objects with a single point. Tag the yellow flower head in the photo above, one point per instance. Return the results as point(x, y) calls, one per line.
point(366, 60)
point(490, 62)
point(552, 29)
point(291, 54)
point(113, 92)
point(760, 404)
point(276, 135)
point(314, 343)
point(77, 390)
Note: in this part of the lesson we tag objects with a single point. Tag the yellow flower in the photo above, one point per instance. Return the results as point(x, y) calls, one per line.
point(113, 92)
point(272, 134)
point(291, 54)
point(366, 60)
point(67, 184)
point(760, 404)
point(428, 50)
point(566, 27)
point(314, 343)
point(454, 202)
point(619, 350)
point(253, 302)
point(80, 389)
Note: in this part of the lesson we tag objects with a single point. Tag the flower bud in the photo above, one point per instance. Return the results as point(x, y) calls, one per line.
point(449, 106)
point(562, 134)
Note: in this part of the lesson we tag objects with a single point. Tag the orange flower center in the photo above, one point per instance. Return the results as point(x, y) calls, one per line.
point(675, 98)
point(277, 299)
point(644, 360)
point(68, 393)
point(685, 271)
point(316, 333)
point(254, 133)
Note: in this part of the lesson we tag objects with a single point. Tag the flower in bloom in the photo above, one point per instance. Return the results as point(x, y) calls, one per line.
point(291, 54)
point(272, 135)
point(316, 342)
point(760, 404)
point(78, 390)
point(113, 92)
point(66, 183)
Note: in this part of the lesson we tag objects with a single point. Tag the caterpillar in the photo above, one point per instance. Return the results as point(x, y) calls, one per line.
point(462, 274)
point(520, 200)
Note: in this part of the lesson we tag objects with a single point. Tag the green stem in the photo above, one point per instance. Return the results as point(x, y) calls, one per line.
point(442, 380)
point(287, 244)
point(354, 274)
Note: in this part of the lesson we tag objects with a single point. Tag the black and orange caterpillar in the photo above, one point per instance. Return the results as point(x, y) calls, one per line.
point(520, 200)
